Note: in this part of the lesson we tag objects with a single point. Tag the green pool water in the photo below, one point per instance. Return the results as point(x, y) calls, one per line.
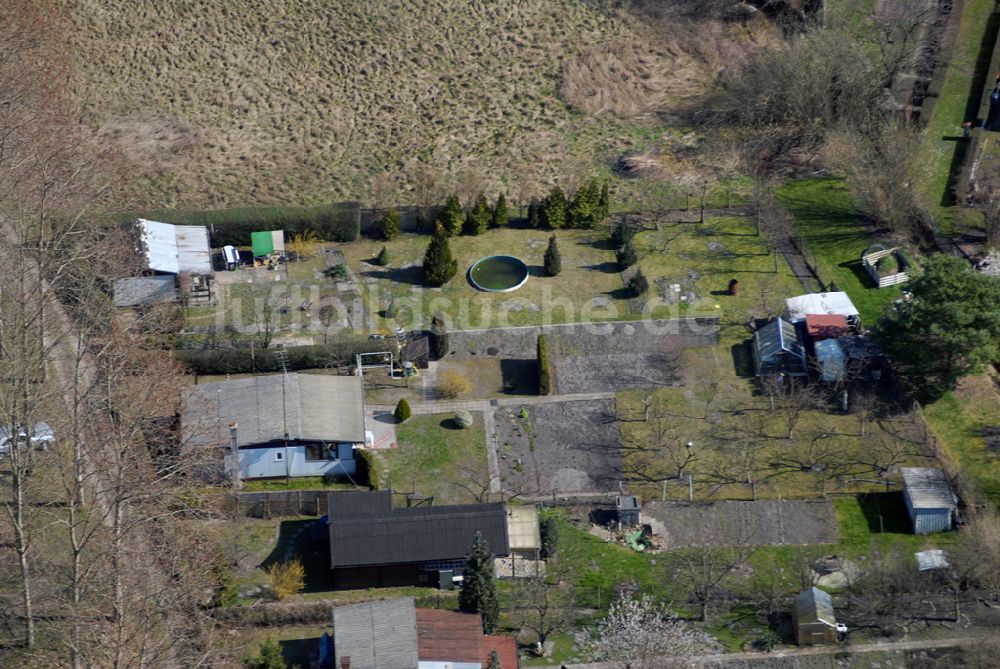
point(498, 274)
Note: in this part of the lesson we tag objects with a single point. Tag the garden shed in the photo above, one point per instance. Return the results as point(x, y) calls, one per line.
point(930, 501)
point(813, 616)
point(822, 303)
point(831, 360)
point(777, 349)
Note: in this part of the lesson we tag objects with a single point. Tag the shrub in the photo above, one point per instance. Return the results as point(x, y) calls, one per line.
point(500, 215)
point(302, 244)
point(887, 265)
point(269, 657)
point(451, 384)
point(439, 336)
point(390, 225)
point(368, 471)
point(286, 578)
point(337, 272)
point(534, 215)
point(626, 256)
point(340, 222)
point(403, 411)
point(638, 285)
point(250, 361)
point(439, 266)
point(463, 419)
point(382, 259)
point(585, 209)
point(544, 366)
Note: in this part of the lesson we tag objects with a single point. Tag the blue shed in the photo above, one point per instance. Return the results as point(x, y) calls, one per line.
point(929, 498)
point(831, 359)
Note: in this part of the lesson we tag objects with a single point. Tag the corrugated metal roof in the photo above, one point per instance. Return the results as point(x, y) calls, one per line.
point(820, 303)
point(416, 534)
point(355, 503)
point(310, 407)
point(376, 635)
point(814, 605)
point(142, 290)
point(934, 558)
point(928, 488)
point(449, 635)
point(175, 248)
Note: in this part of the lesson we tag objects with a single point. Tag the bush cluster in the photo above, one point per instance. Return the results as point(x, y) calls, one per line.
point(251, 361)
point(589, 206)
point(367, 472)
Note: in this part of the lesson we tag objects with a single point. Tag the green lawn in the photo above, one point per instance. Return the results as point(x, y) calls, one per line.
point(702, 259)
point(835, 238)
point(954, 105)
point(958, 421)
point(436, 458)
point(723, 414)
point(588, 271)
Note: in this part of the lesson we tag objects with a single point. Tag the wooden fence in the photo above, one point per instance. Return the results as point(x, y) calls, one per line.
point(281, 503)
point(870, 262)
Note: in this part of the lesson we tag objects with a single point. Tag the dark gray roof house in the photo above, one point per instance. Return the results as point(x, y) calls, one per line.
point(370, 541)
point(303, 407)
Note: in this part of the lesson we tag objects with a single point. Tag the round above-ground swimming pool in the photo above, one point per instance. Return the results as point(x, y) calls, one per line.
point(498, 274)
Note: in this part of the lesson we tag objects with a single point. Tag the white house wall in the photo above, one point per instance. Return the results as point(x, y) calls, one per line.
point(258, 463)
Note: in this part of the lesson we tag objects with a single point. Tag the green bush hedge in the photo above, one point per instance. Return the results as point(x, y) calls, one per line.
point(340, 222)
point(544, 366)
point(247, 361)
point(367, 472)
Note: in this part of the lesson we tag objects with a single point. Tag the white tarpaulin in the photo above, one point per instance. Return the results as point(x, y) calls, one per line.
point(820, 303)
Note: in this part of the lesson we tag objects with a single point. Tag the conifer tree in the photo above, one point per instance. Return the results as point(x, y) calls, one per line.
point(584, 210)
point(534, 215)
point(500, 213)
point(553, 261)
point(403, 411)
point(621, 233)
point(627, 256)
point(553, 210)
point(439, 266)
point(439, 336)
point(389, 225)
point(382, 259)
point(604, 202)
point(478, 218)
point(479, 590)
point(452, 217)
point(638, 284)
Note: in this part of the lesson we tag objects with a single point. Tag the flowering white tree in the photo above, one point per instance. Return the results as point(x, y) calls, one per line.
point(638, 633)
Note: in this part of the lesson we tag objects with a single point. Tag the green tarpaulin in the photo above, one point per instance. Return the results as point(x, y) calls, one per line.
point(263, 243)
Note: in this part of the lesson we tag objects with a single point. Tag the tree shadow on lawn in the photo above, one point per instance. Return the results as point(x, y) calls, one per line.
point(307, 540)
point(600, 244)
point(885, 512)
point(410, 275)
point(520, 377)
point(859, 272)
point(607, 267)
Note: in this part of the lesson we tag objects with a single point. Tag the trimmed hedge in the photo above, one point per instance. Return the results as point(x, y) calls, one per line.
point(250, 361)
point(544, 366)
point(367, 472)
point(340, 222)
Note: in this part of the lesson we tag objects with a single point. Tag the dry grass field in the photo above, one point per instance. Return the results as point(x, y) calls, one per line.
point(304, 101)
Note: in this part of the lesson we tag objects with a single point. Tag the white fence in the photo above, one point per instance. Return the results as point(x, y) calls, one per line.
point(870, 263)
